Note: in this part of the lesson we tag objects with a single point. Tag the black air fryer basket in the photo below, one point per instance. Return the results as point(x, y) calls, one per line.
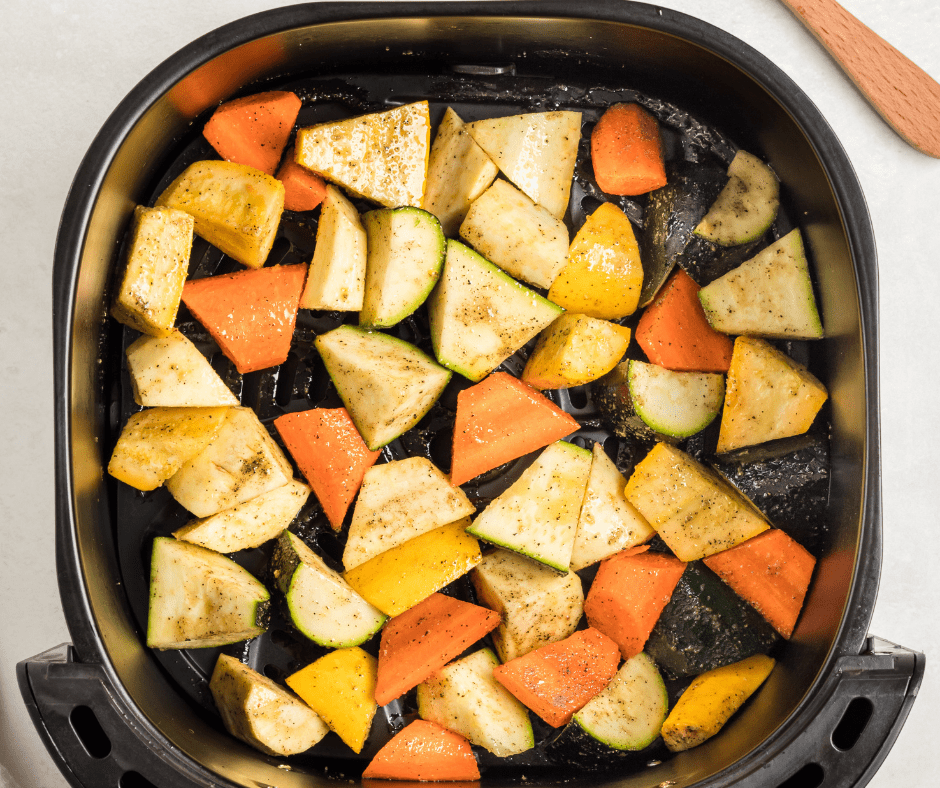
point(114, 713)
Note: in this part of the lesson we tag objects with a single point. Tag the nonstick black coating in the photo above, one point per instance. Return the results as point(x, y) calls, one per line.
point(618, 45)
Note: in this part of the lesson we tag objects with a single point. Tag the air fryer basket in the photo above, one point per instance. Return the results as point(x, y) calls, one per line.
point(107, 707)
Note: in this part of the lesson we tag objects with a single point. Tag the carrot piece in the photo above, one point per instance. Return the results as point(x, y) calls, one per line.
point(771, 572)
point(556, 680)
point(304, 190)
point(254, 130)
point(500, 419)
point(423, 639)
point(250, 314)
point(424, 751)
point(627, 152)
point(331, 455)
point(629, 592)
point(674, 332)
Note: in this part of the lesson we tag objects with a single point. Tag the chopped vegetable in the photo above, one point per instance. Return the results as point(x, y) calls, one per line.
point(629, 592)
point(303, 190)
point(676, 404)
point(627, 152)
point(155, 272)
point(250, 314)
point(772, 572)
point(331, 455)
point(710, 701)
point(769, 396)
point(501, 419)
point(574, 350)
point(236, 208)
point(254, 130)
point(604, 276)
point(424, 751)
point(674, 332)
point(400, 577)
point(340, 687)
point(424, 638)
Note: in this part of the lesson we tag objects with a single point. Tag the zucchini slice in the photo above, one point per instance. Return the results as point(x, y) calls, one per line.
point(538, 515)
point(406, 252)
point(770, 295)
point(201, 599)
point(747, 205)
point(480, 316)
point(386, 384)
point(321, 604)
point(677, 404)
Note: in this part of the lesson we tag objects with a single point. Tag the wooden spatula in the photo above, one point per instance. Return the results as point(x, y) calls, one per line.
point(902, 92)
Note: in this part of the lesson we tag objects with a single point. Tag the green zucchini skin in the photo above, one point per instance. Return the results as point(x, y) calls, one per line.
point(611, 395)
point(705, 260)
point(706, 625)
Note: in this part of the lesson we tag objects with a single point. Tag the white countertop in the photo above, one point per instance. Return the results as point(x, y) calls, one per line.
point(68, 63)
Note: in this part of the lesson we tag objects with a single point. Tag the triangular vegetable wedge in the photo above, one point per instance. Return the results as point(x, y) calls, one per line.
point(770, 295)
point(386, 384)
point(397, 502)
point(425, 638)
point(536, 151)
point(538, 515)
point(768, 396)
point(608, 522)
point(480, 316)
point(746, 206)
point(424, 751)
point(250, 314)
point(331, 455)
point(501, 419)
point(382, 156)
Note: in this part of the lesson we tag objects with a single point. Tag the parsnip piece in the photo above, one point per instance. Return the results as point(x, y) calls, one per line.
point(382, 156)
point(243, 461)
point(156, 443)
point(459, 171)
point(249, 524)
point(235, 207)
point(536, 151)
point(522, 238)
point(157, 263)
point(262, 713)
point(171, 372)
point(338, 270)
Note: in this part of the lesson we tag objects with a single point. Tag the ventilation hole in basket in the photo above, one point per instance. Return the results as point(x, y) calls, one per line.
point(89, 732)
point(810, 776)
point(134, 780)
point(853, 722)
point(578, 398)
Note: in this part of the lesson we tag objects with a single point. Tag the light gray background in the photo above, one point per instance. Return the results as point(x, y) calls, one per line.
point(65, 65)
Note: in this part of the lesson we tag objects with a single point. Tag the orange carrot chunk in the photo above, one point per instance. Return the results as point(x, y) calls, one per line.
point(254, 130)
point(250, 314)
point(423, 639)
point(771, 572)
point(629, 592)
point(674, 332)
point(556, 680)
point(627, 152)
point(501, 419)
point(304, 190)
point(424, 751)
point(331, 455)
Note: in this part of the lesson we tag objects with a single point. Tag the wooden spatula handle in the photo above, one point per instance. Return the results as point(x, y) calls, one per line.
point(902, 92)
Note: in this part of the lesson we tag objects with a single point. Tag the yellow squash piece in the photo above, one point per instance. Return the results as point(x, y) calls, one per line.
point(399, 578)
point(695, 512)
point(340, 687)
point(156, 443)
point(157, 264)
point(573, 350)
point(710, 701)
point(382, 156)
point(604, 275)
point(236, 208)
point(768, 395)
